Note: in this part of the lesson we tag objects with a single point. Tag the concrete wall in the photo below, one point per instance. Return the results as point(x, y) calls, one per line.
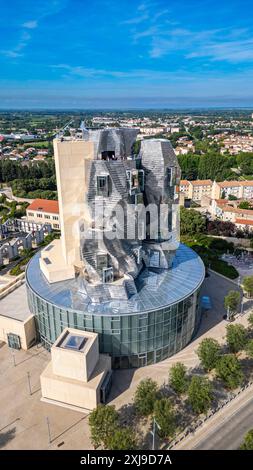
point(62, 390)
point(75, 364)
point(75, 393)
point(70, 175)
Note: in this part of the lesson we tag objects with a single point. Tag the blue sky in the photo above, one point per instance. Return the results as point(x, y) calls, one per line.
point(126, 53)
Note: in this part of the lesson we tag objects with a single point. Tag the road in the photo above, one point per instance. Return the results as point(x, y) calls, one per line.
point(229, 435)
point(226, 429)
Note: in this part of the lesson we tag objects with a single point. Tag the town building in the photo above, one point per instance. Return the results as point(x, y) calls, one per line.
point(196, 189)
point(238, 189)
point(44, 210)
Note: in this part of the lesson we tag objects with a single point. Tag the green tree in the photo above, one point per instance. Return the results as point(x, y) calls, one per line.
point(249, 348)
point(165, 417)
point(232, 300)
point(228, 369)
point(122, 439)
point(177, 378)
point(245, 162)
point(248, 441)
point(250, 320)
point(245, 205)
point(236, 336)
point(189, 166)
point(103, 422)
point(191, 222)
point(200, 394)
point(248, 285)
point(145, 397)
point(209, 352)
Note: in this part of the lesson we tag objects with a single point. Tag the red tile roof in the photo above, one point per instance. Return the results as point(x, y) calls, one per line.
point(244, 221)
point(44, 205)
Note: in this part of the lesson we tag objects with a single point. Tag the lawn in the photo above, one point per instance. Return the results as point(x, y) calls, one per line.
point(210, 250)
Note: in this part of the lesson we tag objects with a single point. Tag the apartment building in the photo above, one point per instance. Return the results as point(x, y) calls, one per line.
point(184, 187)
point(238, 189)
point(230, 212)
point(196, 189)
point(44, 210)
point(243, 224)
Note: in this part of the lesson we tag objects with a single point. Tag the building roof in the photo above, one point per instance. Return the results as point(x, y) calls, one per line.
point(202, 182)
point(236, 210)
point(244, 221)
point(184, 183)
point(229, 184)
point(15, 305)
point(156, 289)
point(44, 205)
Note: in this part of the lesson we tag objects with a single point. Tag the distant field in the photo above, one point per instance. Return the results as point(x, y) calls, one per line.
point(37, 144)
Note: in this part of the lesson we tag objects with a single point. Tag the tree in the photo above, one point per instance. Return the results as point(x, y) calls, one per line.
point(177, 378)
point(200, 394)
point(248, 285)
point(245, 205)
point(165, 417)
point(191, 222)
point(249, 348)
point(248, 441)
point(209, 352)
point(228, 369)
point(145, 397)
point(103, 422)
point(232, 300)
point(250, 320)
point(236, 337)
point(122, 439)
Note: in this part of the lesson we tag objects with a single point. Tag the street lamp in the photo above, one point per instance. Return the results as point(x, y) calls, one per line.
point(29, 382)
point(153, 432)
point(48, 430)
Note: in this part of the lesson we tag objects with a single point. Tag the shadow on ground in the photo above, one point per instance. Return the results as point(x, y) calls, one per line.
point(7, 436)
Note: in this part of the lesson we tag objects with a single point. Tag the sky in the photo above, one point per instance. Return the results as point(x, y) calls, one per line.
point(93, 54)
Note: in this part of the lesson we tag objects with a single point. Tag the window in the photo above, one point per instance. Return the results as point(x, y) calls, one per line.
point(102, 186)
point(102, 261)
point(14, 341)
point(38, 215)
point(141, 179)
point(170, 176)
point(133, 180)
point(55, 217)
point(31, 214)
point(107, 275)
point(47, 217)
point(154, 259)
point(108, 155)
point(138, 254)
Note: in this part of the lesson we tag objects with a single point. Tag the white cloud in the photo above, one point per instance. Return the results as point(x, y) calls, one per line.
point(30, 24)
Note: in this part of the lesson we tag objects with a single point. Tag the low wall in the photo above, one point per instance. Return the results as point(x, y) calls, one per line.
point(11, 285)
point(242, 242)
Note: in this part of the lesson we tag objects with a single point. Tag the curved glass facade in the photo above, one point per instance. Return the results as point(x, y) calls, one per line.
point(132, 340)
